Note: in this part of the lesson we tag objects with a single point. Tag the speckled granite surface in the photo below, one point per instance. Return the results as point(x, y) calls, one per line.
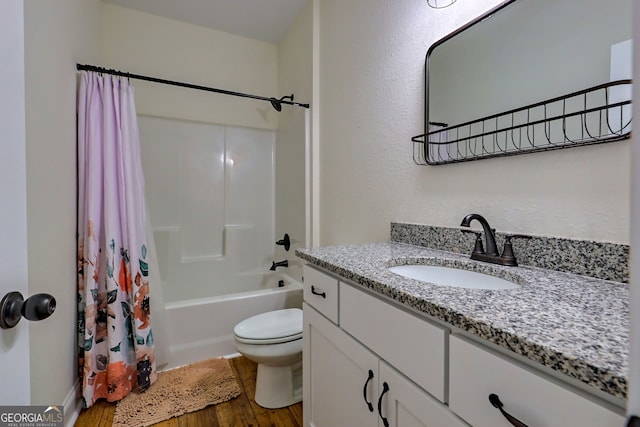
point(573, 324)
point(603, 260)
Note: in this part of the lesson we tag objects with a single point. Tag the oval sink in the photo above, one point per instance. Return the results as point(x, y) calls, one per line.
point(454, 277)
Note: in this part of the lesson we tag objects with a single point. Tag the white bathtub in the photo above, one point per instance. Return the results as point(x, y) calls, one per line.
point(203, 328)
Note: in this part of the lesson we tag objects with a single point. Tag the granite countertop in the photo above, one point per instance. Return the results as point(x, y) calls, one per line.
point(576, 325)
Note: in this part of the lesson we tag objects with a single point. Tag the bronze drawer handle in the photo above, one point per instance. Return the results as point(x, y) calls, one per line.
point(364, 391)
point(495, 401)
point(322, 294)
point(385, 388)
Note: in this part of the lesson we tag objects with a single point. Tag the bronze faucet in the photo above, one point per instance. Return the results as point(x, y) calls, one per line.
point(491, 254)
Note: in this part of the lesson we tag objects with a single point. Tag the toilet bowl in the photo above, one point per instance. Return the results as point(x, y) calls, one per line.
point(273, 340)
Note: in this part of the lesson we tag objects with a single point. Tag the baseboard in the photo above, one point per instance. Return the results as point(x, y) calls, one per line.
point(72, 405)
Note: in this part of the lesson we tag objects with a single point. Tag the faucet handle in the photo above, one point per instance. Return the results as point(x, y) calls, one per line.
point(507, 251)
point(285, 241)
point(478, 248)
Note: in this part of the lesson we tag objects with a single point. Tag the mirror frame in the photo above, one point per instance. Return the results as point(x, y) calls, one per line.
point(423, 146)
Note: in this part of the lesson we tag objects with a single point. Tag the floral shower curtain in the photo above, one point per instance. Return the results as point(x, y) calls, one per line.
point(116, 351)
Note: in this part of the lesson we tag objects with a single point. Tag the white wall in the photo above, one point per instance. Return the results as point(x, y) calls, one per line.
point(150, 45)
point(57, 35)
point(294, 76)
point(371, 72)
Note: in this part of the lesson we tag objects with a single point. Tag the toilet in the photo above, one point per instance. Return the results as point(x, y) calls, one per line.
point(274, 341)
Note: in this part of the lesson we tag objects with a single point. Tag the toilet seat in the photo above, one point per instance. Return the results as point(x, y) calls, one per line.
point(273, 327)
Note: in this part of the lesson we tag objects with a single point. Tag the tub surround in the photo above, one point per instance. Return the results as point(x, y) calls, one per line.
point(575, 325)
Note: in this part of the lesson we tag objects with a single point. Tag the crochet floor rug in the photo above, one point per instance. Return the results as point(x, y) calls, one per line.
point(177, 392)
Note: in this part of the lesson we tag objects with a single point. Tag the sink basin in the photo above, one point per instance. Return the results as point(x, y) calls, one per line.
point(454, 277)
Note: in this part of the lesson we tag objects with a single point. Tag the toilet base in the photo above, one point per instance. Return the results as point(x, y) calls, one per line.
point(278, 386)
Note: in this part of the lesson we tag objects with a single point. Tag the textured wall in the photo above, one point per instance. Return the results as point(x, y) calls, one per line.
point(371, 74)
point(151, 45)
point(57, 35)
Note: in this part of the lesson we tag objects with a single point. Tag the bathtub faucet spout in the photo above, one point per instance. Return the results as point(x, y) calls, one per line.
point(275, 265)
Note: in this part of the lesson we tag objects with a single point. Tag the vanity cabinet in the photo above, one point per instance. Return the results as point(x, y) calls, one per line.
point(362, 382)
point(346, 384)
point(368, 362)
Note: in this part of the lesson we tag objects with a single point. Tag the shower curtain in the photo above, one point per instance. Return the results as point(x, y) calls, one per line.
point(115, 340)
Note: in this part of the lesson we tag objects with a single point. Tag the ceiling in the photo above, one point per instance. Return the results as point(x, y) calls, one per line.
point(266, 20)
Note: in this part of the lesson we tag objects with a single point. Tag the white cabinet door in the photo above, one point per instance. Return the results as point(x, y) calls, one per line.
point(404, 404)
point(344, 384)
point(336, 380)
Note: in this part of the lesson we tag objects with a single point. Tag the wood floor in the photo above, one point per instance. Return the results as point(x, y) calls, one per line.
point(239, 412)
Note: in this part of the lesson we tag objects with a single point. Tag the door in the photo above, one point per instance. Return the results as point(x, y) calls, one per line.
point(404, 404)
point(14, 343)
point(341, 376)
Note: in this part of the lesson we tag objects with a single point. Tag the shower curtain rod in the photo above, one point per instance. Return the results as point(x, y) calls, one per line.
point(276, 103)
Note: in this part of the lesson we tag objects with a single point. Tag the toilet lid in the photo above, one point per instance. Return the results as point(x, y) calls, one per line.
point(272, 325)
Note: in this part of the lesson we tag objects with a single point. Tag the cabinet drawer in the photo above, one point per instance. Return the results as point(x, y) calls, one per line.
point(412, 345)
point(475, 373)
point(321, 292)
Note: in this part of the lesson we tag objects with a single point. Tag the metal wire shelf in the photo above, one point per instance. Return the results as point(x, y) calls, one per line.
point(578, 119)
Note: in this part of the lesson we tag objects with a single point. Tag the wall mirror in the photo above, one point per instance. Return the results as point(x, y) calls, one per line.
point(529, 76)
